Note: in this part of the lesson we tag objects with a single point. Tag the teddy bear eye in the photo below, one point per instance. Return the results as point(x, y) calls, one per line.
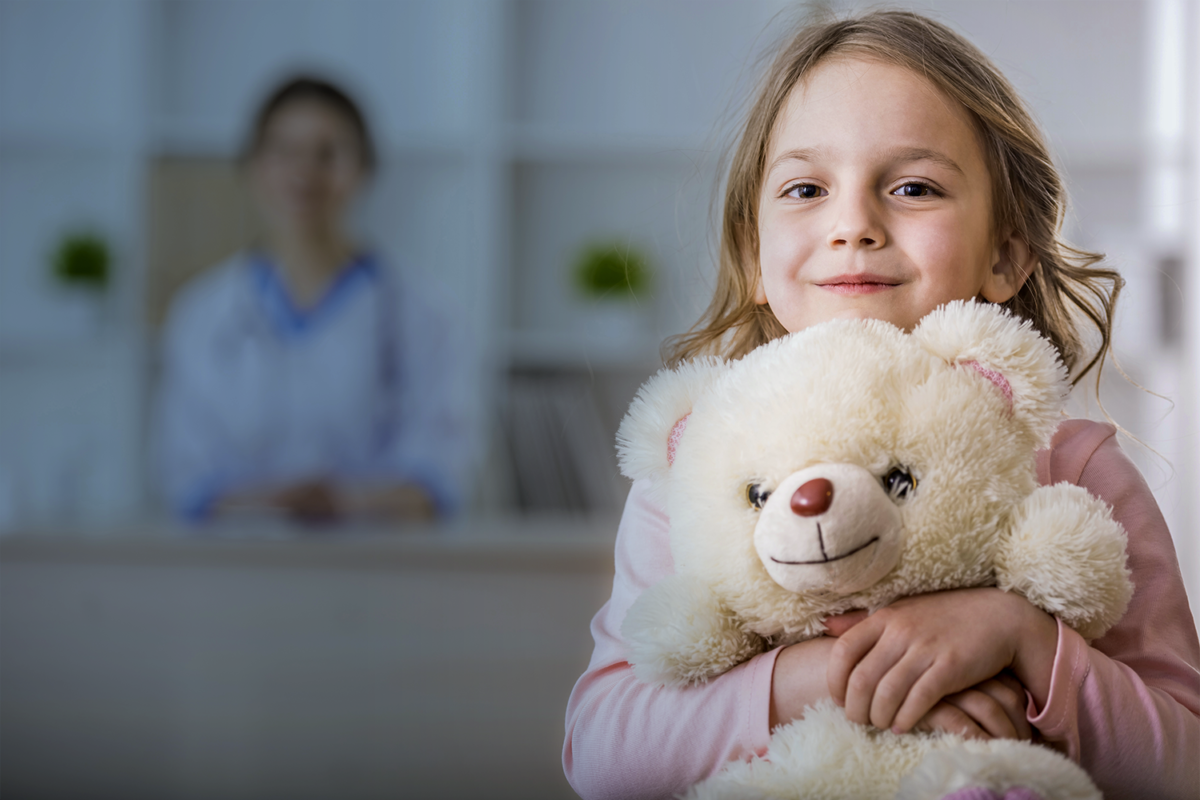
point(899, 483)
point(757, 495)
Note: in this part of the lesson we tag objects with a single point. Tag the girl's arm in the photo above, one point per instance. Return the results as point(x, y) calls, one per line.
point(626, 739)
point(1128, 706)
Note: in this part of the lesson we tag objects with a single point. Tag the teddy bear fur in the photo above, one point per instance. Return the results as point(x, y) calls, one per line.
point(956, 408)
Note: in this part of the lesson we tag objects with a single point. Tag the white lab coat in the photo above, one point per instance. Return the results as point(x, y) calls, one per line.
point(371, 384)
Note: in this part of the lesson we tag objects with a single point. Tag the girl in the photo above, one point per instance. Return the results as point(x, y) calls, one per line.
point(885, 168)
point(302, 375)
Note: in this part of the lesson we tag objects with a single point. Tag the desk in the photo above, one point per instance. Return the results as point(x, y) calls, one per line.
point(263, 663)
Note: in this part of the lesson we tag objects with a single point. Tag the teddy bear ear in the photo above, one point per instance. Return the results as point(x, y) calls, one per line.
point(658, 415)
point(1006, 351)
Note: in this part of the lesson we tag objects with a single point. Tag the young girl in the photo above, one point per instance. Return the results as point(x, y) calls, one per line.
point(886, 167)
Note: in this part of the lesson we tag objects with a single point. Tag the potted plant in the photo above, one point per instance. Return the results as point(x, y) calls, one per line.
point(81, 260)
point(81, 266)
point(614, 279)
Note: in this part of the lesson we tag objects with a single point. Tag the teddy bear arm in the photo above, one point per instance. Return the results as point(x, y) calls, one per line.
point(680, 632)
point(1066, 555)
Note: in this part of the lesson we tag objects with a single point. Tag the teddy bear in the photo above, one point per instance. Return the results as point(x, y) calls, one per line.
point(843, 467)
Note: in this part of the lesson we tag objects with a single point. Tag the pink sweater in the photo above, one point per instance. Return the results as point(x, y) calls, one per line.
point(1127, 707)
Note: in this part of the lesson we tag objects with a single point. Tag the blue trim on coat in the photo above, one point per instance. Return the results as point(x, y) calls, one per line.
point(198, 507)
point(279, 305)
point(445, 500)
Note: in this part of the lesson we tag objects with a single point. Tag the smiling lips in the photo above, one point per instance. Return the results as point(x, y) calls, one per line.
point(864, 283)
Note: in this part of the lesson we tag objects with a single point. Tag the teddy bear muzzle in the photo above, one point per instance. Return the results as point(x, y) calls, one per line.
point(829, 528)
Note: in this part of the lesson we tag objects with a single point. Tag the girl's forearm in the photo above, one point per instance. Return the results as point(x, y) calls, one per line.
point(1036, 645)
point(799, 679)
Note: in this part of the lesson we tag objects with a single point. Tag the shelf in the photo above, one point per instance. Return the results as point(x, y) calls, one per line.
point(535, 143)
point(75, 142)
point(77, 352)
point(552, 349)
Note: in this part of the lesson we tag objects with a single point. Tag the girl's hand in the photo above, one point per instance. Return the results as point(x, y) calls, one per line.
point(994, 709)
point(892, 668)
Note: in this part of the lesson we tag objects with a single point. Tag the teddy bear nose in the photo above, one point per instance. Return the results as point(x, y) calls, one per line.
point(813, 498)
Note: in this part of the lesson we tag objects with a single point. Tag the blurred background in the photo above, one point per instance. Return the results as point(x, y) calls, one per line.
point(518, 139)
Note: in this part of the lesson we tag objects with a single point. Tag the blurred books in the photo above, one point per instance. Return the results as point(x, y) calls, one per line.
point(564, 457)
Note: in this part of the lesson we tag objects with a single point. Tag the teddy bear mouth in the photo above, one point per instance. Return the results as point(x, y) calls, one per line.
point(826, 559)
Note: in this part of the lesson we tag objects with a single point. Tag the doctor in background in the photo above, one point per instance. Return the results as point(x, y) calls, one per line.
point(303, 374)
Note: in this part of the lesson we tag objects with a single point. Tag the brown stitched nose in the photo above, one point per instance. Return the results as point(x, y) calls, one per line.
point(813, 498)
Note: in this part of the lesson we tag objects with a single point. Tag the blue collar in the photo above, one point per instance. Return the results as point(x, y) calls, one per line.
point(282, 309)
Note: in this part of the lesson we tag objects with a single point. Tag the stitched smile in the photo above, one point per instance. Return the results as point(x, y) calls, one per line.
point(827, 560)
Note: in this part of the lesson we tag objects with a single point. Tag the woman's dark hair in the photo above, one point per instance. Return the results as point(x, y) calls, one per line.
point(306, 88)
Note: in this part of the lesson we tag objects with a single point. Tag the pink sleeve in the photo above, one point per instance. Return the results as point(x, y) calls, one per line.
point(628, 740)
point(1128, 706)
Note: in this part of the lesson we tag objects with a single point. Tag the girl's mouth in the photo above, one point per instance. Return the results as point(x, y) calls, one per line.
point(865, 283)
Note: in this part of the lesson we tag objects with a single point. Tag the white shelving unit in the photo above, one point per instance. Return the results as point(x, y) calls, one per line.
point(71, 156)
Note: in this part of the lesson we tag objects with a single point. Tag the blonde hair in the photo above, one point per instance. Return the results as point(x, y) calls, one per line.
point(1028, 197)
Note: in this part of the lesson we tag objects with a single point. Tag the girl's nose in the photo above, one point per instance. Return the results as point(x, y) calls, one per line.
point(812, 498)
point(857, 225)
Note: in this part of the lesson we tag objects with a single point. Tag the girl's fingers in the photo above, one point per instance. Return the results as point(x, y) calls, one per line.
point(1009, 695)
point(875, 672)
point(893, 688)
point(951, 719)
point(848, 651)
point(838, 625)
point(924, 693)
point(985, 711)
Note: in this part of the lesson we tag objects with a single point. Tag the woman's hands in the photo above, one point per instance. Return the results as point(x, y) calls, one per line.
point(934, 659)
point(319, 501)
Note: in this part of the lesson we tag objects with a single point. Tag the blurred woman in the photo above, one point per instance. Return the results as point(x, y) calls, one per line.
point(303, 374)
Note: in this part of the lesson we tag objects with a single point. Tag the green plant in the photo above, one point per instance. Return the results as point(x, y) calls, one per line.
point(82, 259)
point(611, 271)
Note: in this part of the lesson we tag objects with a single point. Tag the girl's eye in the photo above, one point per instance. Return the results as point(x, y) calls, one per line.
point(757, 495)
point(915, 190)
point(899, 483)
point(804, 191)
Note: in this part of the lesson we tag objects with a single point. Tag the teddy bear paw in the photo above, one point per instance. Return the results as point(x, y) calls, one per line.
point(679, 632)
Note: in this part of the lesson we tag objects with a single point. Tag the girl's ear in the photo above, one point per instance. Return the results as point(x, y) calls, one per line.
point(1013, 263)
point(657, 417)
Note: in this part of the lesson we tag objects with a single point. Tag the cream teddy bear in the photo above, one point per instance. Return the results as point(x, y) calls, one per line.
point(843, 467)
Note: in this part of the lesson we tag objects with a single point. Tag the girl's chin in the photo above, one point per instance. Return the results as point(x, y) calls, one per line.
point(884, 312)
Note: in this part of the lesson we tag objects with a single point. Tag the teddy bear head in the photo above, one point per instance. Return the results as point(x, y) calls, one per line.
point(848, 464)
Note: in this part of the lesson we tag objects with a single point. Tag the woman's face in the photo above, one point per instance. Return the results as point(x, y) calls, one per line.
point(307, 168)
point(876, 202)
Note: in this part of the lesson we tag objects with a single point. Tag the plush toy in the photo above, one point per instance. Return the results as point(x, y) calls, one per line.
point(843, 467)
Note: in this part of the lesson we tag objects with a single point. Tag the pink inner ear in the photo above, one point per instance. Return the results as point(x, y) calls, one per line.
point(998, 380)
point(674, 436)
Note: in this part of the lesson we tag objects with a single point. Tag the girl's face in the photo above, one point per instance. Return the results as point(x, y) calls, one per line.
point(307, 168)
point(876, 202)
